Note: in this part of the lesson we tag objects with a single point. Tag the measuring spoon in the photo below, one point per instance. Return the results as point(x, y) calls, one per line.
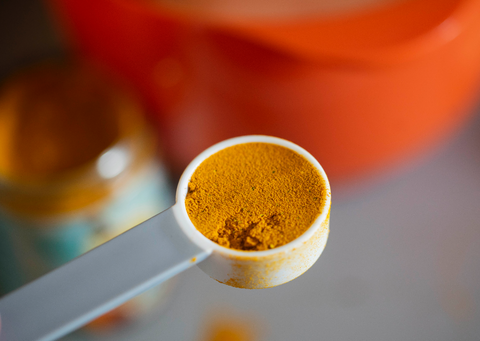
point(149, 254)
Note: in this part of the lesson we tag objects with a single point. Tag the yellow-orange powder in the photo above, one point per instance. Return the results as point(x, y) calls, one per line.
point(255, 196)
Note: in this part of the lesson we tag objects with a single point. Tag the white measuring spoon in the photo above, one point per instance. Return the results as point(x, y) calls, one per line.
point(147, 255)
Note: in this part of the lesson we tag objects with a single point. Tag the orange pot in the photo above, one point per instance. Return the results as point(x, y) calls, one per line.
point(360, 90)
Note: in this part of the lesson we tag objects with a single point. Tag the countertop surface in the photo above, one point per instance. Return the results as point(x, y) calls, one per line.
point(402, 261)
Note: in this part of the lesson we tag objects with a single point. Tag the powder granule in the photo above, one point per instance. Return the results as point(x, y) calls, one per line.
point(255, 196)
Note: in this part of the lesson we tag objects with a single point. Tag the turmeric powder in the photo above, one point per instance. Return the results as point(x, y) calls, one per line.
point(255, 196)
point(55, 118)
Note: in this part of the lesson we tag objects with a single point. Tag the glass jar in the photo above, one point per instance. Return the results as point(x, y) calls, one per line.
point(78, 166)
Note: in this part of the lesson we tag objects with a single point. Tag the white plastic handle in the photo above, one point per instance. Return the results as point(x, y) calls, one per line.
point(98, 281)
point(149, 254)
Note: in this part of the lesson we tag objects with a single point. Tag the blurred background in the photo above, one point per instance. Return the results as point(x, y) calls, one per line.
point(103, 103)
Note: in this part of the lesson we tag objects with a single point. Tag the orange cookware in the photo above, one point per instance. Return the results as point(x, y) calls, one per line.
point(361, 89)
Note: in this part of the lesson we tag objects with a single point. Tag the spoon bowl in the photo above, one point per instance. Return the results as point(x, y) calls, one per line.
point(256, 269)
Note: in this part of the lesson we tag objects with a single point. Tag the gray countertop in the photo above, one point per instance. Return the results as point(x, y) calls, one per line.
point(402, 263)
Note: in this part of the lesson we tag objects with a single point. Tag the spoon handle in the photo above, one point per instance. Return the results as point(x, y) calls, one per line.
point(98, 281)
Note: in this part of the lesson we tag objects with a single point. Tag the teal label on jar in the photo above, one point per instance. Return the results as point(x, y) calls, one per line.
point(31, 247)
